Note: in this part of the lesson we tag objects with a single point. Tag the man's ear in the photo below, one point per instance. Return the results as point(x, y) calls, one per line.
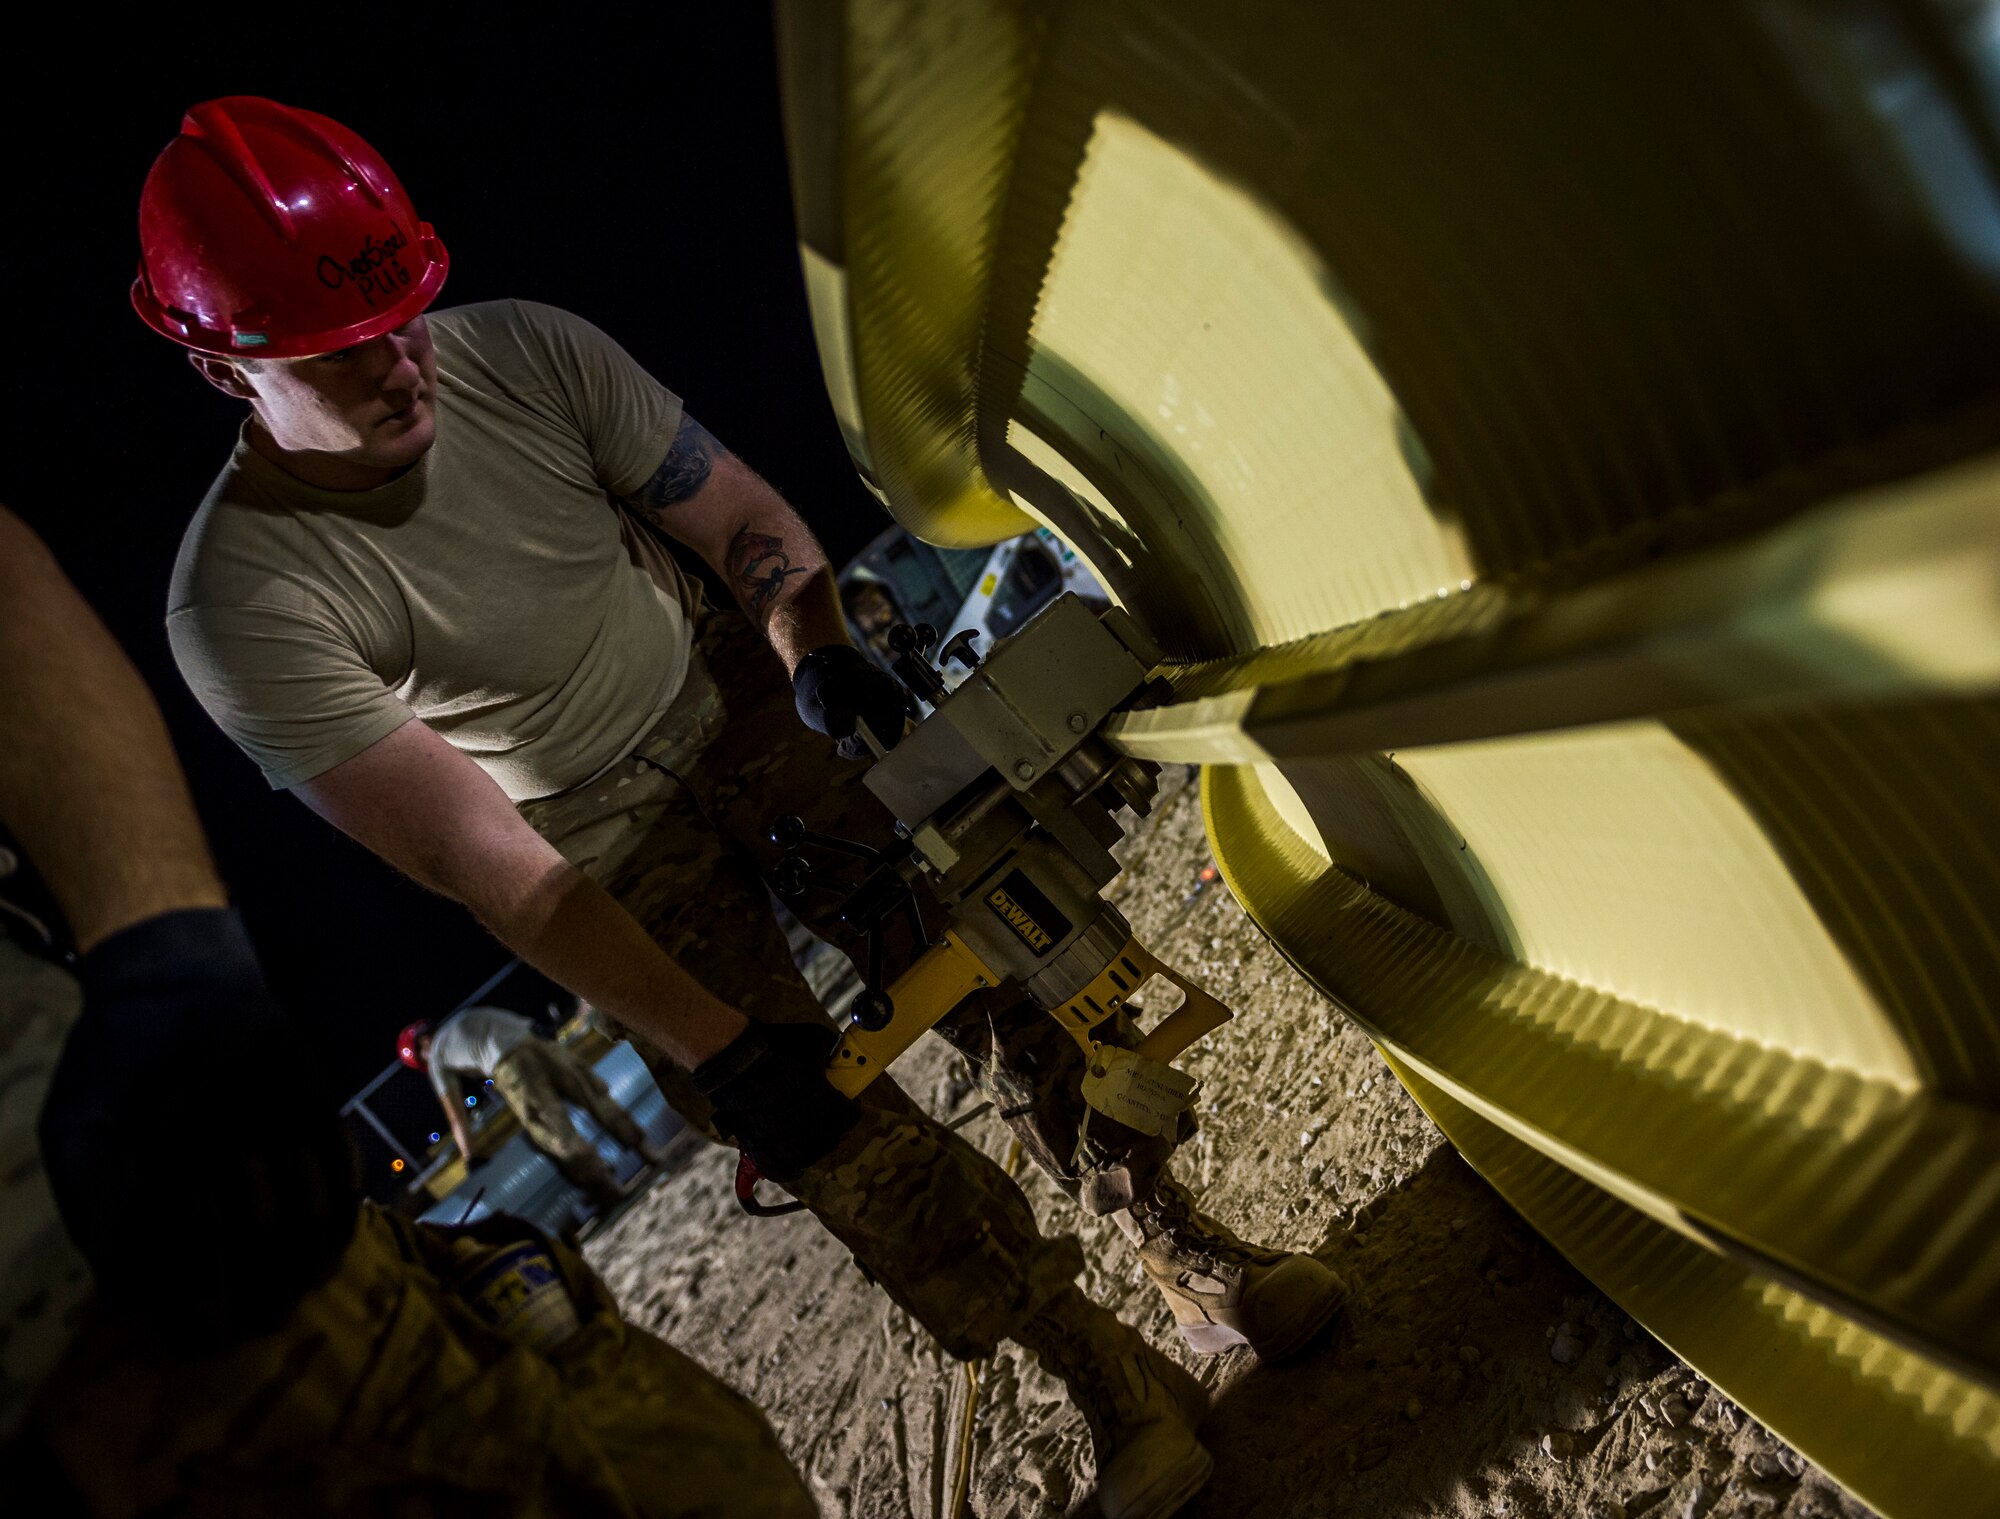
point(226, 375)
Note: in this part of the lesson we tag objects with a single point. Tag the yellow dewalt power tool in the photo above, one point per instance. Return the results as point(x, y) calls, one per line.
point(1006, 801)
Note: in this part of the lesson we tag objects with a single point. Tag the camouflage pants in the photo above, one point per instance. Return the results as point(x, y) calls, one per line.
point(386, 1392)
point(679, 834)
point(539, 1080)
point(44, 1283)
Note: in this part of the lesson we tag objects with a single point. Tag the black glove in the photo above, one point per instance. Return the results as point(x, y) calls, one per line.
point(772, 1097)
point(195, 1152)
point(836, 684)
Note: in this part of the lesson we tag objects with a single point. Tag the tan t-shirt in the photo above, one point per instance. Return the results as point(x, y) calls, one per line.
point(491, 590)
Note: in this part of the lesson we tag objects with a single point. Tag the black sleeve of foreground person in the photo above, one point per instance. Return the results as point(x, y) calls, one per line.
point(772, 1097)
point(196, 1156)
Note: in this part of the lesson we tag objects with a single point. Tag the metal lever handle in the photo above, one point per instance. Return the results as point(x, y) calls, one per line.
point(910, 645)
point(790, 831)
point(912, 638)
point(793, 875)
point(959, 647)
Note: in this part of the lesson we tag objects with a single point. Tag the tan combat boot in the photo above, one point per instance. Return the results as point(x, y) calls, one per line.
point(1223, 1291)
point(1140, 1407)
point(593, 1176)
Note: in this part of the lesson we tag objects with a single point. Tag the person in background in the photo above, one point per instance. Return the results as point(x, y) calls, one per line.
point(538, 1078)
point(872, 611)
point(198, 1314)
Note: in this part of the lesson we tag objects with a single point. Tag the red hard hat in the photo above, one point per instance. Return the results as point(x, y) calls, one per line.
point(276, 233)
point(406, 1045)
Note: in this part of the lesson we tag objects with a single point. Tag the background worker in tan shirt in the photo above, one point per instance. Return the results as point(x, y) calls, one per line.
point(428, 594)
point(539, 1079)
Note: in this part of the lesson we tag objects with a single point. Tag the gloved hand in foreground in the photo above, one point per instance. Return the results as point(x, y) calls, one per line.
point(195, 1152)
point(772, 1097)
point(836, 684)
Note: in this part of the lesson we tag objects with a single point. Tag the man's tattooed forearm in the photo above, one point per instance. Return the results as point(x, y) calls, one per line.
point(760, 567)
point(683, 472)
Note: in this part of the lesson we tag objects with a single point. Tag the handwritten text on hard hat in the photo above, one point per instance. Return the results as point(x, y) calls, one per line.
point(376, 270)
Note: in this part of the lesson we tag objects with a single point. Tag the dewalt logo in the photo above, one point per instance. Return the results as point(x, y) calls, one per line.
point(1018, 918)
point(1032, 916)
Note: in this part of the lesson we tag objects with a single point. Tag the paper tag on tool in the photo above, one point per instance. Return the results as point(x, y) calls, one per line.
point(1142, 1094)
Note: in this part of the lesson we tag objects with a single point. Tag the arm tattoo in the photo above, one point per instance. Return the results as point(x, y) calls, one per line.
point(760, 567)
point(682, 473)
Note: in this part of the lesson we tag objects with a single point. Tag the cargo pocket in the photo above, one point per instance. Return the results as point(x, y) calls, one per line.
point(443, 1397)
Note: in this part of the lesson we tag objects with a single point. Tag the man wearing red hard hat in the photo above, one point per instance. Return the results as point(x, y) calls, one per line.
point(432, 593)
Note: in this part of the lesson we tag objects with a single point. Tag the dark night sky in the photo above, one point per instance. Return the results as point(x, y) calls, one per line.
point(630, 168)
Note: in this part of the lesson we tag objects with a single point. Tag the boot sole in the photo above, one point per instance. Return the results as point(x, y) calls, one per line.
point(1169, 1493)
point(1172, 1489)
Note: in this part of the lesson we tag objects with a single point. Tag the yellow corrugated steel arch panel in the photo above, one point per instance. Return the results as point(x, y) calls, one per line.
point(1558, 448)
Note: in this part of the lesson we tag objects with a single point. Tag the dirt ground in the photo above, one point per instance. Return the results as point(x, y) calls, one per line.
point(1476, 1372)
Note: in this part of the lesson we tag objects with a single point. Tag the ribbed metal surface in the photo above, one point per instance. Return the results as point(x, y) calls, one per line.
point(1879, 1198)
point(1904, 1433)
point(1078, 965)
point(1558, 447)
point(1890, 822)
point(919, 235)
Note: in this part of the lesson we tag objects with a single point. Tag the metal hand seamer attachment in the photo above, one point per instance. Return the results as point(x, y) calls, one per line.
point(1005, 798)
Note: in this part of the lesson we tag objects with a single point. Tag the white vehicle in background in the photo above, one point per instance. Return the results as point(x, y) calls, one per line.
point(990, 593)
